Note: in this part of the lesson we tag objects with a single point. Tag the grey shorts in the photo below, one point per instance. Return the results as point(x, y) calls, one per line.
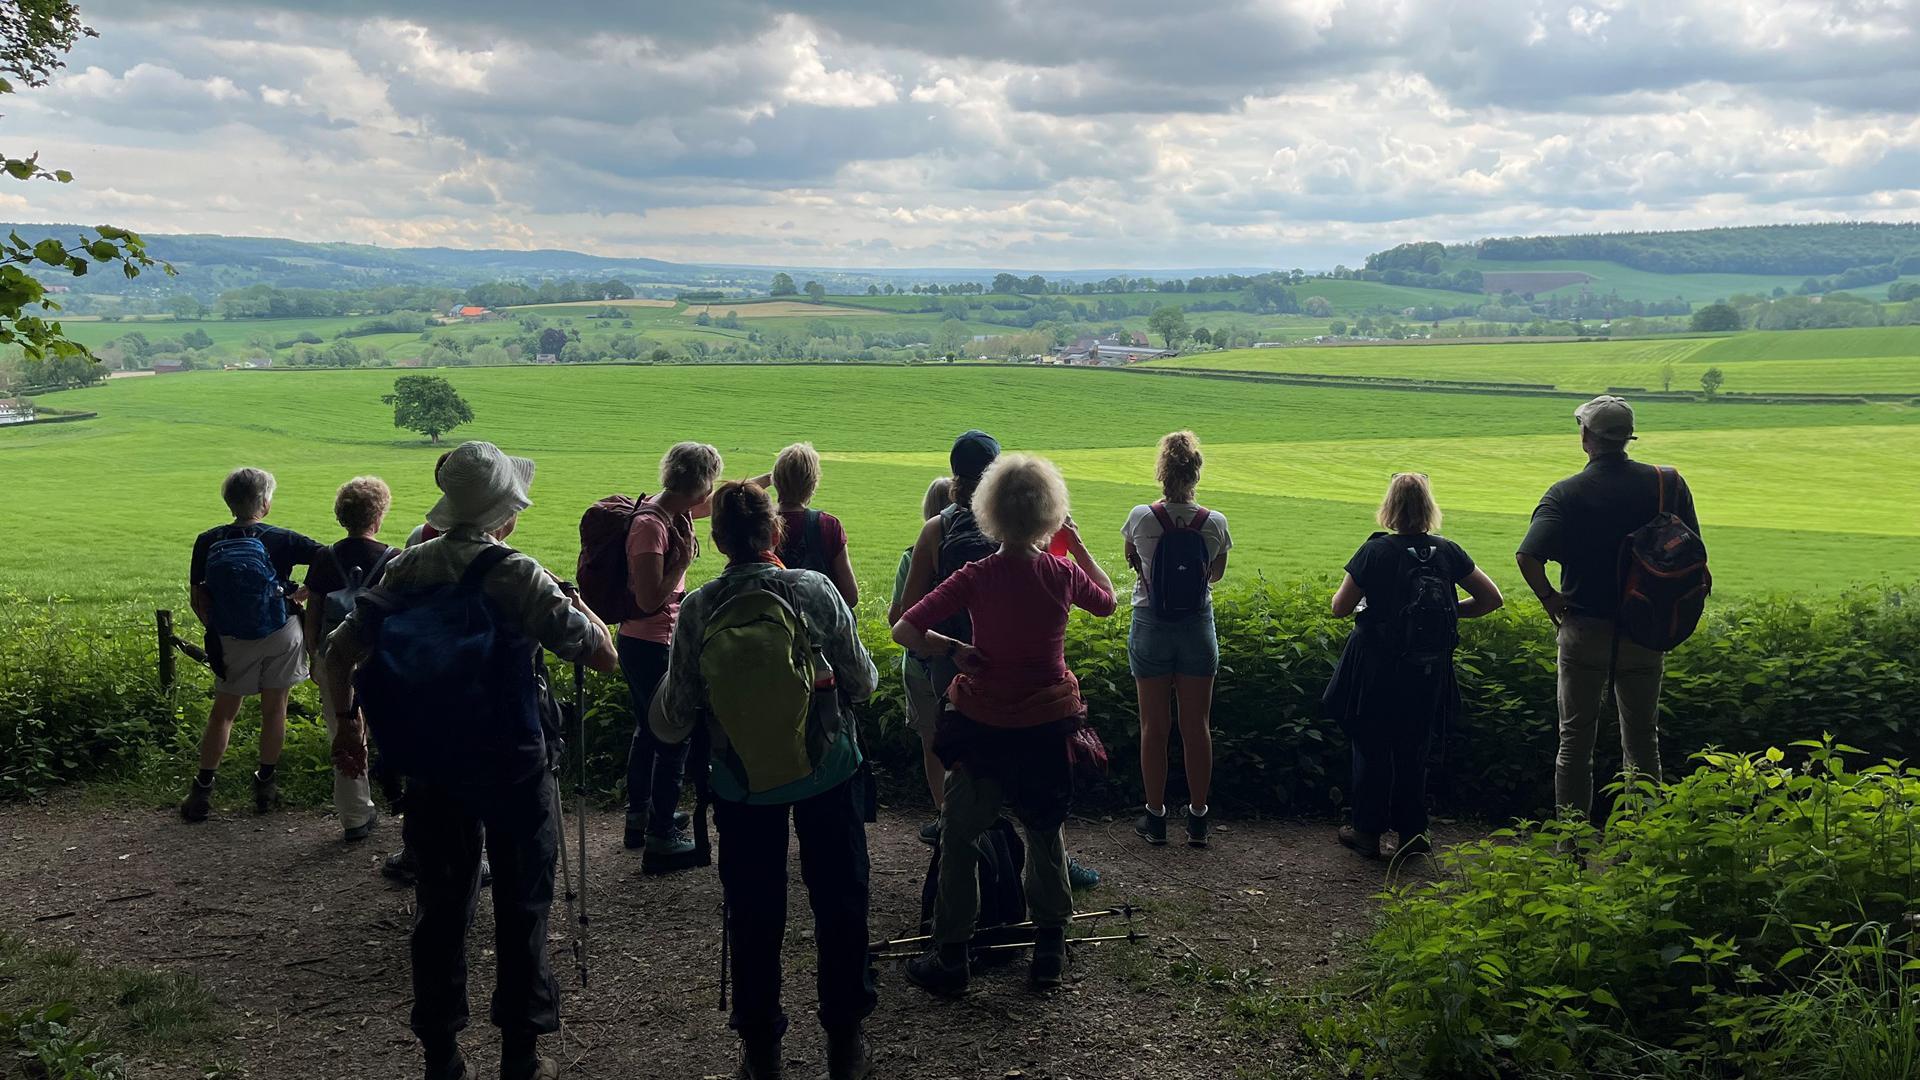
point(923, 705)
point(274, 662)
point(1188, 646)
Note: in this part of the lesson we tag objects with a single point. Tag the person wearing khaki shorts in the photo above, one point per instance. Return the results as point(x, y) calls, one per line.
point(1581, 523)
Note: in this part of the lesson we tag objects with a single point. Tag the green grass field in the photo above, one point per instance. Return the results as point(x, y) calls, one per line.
point(1634, 284)
point(1793, 498)
point(1874, 360)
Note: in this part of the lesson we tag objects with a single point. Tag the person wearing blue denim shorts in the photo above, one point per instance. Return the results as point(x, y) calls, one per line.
point(1174, 660)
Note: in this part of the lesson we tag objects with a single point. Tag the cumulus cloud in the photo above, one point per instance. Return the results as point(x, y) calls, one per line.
point(1037, 133)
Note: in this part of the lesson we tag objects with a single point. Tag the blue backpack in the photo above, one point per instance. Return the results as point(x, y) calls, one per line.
point(450, 689)
point(1182, 573)
point(247, 600)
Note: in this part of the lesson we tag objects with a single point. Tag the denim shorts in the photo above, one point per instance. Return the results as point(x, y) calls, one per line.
point(1180, 647)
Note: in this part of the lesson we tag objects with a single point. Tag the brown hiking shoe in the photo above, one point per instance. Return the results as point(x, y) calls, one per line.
point(1365, 843)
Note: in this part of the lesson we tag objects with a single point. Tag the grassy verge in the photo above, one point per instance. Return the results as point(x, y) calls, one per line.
point(64, 1016)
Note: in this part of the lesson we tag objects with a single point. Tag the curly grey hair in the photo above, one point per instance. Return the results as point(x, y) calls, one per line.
point(1022, 500)
point(690, 468)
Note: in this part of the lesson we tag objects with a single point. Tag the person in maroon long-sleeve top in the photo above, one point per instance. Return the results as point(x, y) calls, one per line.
point(1012, 711)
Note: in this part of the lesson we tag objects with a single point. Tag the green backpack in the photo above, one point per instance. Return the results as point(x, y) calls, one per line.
point(759, 661)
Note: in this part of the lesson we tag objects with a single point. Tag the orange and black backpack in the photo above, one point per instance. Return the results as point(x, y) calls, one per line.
point(1664, 580)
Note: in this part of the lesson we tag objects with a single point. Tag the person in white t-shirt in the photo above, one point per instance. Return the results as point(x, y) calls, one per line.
point(1172, 647)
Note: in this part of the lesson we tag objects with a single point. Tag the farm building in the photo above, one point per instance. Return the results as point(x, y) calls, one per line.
point(15, 410)
point(1098, 353)
point(470, 313)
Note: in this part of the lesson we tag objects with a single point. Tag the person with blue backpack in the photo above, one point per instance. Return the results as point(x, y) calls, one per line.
point(351, 566)
point(443, 659)
point(1395, 682)
point(1178, 549)
point(241, 581)
point(767, 663)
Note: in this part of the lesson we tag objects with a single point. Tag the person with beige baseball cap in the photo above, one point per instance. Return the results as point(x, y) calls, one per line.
point(1580, 523)
point(483, 770)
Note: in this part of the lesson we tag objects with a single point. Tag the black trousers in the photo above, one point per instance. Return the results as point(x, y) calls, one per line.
point(444, 830)
point(753, 873)
point(654, 768)
point(1390, 776)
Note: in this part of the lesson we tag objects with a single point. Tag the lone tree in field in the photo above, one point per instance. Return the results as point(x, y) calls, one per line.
point(552, 341)
point(1711, 380)
point(35, 36)
point(1715, 318)
point(783, 285)
point(1170, 323)
point(816, 292)
point(1666, 375)
point(427, 404)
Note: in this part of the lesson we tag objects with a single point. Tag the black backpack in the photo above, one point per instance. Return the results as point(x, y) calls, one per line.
point(1426, 629)
point(1003, 890)
point(961, 542)
point(802, 550)
point(1664, 581)
point(1177, 587)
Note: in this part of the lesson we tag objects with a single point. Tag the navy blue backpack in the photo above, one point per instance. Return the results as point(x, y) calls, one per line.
point(450, 689)
point(247, 600)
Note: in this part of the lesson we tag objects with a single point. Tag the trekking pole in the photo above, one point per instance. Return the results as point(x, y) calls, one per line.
point(726, 942)
point(1129, 936)
point(1124, 911)
point(566, 875)
point(580, 804)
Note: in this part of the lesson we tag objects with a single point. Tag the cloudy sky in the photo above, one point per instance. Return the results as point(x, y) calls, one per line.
point(1038, 134)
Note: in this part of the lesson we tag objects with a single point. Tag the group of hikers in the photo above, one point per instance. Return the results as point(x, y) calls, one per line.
point(752, 676)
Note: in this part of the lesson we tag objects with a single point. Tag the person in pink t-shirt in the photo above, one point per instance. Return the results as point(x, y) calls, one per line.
point(1012, 709)
point(660, 547)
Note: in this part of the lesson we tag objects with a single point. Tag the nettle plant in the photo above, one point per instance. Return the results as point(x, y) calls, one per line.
point(1753, 917)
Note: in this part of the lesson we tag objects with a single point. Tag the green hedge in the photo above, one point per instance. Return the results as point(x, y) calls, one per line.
point(78, 700)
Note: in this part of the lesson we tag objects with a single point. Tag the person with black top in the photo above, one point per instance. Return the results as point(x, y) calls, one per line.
point(241, 581)
point(359, 506)
point(1395, 682)
point(814, 539)
point(1581, 523)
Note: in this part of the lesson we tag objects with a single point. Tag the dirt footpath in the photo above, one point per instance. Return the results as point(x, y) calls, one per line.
point(299, 936)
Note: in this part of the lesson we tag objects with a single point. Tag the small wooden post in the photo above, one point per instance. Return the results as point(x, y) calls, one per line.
point(163, 623)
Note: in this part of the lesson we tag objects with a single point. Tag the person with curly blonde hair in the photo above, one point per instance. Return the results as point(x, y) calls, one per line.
point(1172, 647)
point(1012, 710)
point(356, 561)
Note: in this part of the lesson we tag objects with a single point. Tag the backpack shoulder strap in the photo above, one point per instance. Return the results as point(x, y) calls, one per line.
point(812, 532)
point(380, 565)
point(482, 565)
point(1165, 519)
point(1199, 518)
point(1662, 475)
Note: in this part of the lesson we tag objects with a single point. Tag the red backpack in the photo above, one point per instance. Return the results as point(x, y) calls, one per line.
point(602, 570)
point(1664, 581)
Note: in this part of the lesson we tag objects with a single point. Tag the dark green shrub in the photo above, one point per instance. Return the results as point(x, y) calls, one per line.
point(1752, 919)
point(80, 700)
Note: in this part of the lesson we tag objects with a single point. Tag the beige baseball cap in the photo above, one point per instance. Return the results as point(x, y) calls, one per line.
point(1607, 416)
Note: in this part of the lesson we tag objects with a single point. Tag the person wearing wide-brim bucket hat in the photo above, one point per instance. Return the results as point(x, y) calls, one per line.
point(470, 748)
point(481, 486)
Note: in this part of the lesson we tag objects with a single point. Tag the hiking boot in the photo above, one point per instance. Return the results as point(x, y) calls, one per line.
point(198, 803)
point(636, 834)
point(1080, 878)
point(665, 854)
point(1418, 845)
point(532, 1067)
point(1151, 827)
point(265, 794)
point(454, 1068)
point(1199, 828)
point(361, 831)
point(848, 1056)
point(1049, 957)
point(930, 833)
point(1365, 843)
point(760, 1059)
point(940, 970)
point(401, 867)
